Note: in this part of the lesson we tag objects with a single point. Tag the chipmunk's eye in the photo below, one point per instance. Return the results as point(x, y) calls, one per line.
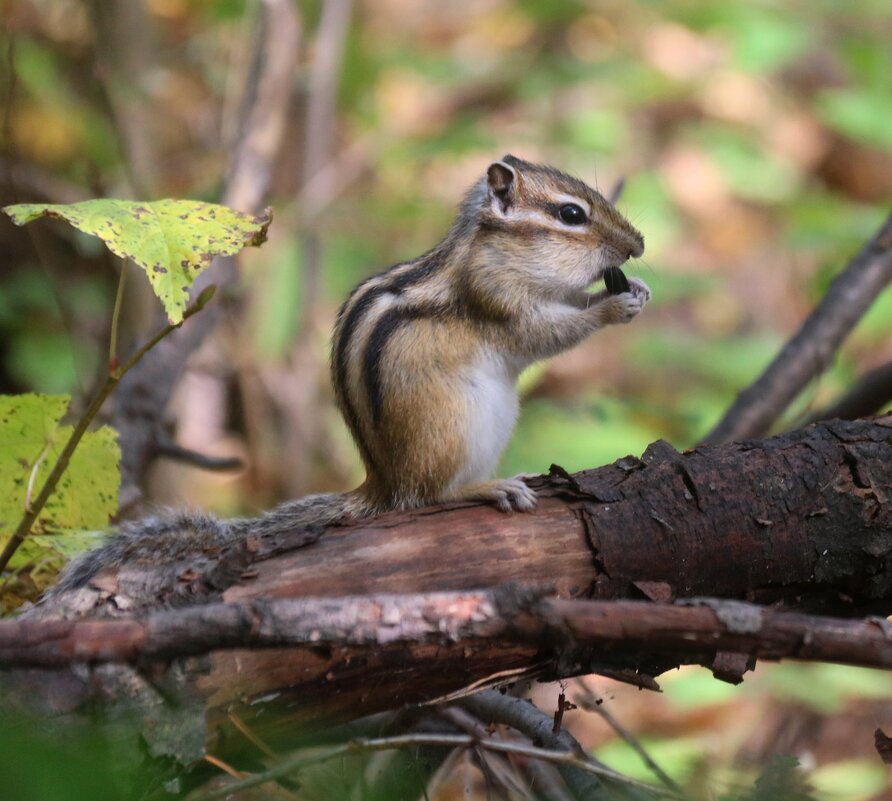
point(572, 214)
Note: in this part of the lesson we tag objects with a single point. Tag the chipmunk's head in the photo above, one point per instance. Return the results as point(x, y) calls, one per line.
point(552, 229)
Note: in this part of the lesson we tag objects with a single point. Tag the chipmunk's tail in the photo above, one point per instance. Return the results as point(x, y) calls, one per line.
point(173, 536)
point(313, 510)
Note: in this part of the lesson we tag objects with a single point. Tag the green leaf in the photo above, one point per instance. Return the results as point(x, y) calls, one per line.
point(27, 426)
point(172, 240)
point(30, 442)
point(87, 495)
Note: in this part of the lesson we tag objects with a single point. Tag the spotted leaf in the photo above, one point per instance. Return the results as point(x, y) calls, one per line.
point(172, 240)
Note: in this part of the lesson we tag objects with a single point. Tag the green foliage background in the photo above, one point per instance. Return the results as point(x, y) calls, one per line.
point(756, 145)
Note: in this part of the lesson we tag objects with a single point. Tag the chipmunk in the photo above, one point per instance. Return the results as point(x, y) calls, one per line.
point(425, 357)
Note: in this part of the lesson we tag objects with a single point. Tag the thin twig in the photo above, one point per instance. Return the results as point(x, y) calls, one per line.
point(177, 453)
point(505, 771)
point(870, 393)
point(277, 789)
point(302, 761)
point(811, 349)
point(224, 766)
point(251, 736)
point(591, 703)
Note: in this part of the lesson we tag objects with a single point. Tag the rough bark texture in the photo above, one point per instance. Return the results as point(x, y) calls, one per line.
point(805, 517)
point(690, 630)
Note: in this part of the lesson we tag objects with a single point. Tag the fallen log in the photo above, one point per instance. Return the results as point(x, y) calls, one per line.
point(804, 519)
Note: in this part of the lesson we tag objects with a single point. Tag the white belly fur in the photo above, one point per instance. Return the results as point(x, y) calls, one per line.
point(491, 402)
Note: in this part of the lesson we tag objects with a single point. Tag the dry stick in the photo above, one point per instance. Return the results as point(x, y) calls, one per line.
point(591, 703)
point(563, 758)
point(111, 381)
point(809, 352)
point(553, 787)
point(497, 770)
point(142, 398)
point(871, 392)
point(546, 781)
point(177, 453)
point(499, 776)
point(490, 706)
point(687, 632)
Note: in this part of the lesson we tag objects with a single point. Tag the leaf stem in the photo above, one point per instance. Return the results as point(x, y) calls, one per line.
point(113, 336)
point(111, 381)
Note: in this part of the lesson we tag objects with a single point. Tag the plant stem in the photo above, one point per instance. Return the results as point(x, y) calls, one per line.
point(113, 336)
point(111, 381)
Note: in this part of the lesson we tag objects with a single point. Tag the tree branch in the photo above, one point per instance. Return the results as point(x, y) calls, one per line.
point(809, 352)
point(689, 632)
point(870, 393)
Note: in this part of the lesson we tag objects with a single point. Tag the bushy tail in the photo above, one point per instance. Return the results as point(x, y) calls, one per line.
point(313, 510)
point(174, 536)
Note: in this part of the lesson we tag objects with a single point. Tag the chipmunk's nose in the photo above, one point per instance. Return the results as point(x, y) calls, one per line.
point(635, 246)
point(628, 244)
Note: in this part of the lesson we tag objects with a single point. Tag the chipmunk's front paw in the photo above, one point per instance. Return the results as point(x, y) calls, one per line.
point(628, 305)
point(641, 290)
point(508, 494)
point(512, 493)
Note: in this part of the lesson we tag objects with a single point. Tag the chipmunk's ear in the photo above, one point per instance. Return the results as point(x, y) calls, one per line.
point(502, 181)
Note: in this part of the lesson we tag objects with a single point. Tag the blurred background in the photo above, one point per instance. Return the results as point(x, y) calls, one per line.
point(755, 140)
